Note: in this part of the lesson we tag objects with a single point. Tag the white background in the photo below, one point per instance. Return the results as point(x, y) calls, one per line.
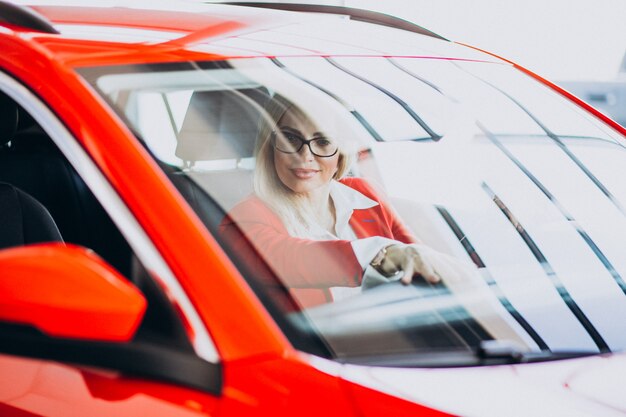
point(559, 39)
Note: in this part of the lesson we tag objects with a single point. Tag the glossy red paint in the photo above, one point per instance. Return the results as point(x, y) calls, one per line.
point(187, 29)
point(38, 388)
point(77, 53)
point(282, 387)
point(128, 17)
point(375, 403)
point(259, 386)
point(68, 291)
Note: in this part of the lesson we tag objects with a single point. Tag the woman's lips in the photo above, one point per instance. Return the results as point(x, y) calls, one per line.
point(304, 174)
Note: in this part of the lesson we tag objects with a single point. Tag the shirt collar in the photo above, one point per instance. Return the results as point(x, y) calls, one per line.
point(346, 200)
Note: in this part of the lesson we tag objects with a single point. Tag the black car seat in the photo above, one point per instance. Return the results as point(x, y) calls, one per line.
point(8, 118)
point(23, 220)
point(30, 161)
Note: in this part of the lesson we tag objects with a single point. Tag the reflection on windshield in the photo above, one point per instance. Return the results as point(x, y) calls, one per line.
point(389, 207)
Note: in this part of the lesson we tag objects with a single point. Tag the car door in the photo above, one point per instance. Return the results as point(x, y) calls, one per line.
point(49, 375)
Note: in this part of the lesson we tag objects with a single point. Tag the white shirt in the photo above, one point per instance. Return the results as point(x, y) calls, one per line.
point(346, 200)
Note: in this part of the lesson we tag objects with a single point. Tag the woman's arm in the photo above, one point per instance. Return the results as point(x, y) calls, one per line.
point(298, 263)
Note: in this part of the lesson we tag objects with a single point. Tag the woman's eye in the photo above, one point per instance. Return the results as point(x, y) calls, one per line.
point(292, 138)
point(323, 142)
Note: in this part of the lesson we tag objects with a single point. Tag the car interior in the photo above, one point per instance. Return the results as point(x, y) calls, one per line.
point(30, 161)
point(24, 219)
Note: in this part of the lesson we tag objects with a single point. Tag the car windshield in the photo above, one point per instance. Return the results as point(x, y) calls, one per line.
point(518, 195)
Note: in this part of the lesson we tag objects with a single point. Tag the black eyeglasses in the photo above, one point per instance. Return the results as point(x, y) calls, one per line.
point(287, 141)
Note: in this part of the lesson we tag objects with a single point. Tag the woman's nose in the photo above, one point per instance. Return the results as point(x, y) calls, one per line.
point(306, 153)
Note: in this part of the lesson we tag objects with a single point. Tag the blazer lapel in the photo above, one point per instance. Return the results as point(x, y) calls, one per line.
point(367, 223)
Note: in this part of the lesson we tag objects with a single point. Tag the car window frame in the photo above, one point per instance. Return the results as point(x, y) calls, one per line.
point(108, 197)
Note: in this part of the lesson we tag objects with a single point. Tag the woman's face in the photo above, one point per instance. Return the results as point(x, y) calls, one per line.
point(302, 171)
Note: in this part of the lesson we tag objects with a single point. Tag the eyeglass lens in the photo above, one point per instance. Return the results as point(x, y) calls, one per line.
point(289, 142)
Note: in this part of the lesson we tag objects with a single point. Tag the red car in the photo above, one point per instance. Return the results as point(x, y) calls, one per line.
point(127, 136)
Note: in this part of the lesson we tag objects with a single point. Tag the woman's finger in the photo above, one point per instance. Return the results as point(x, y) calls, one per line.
point(408, 269)
point(425, 268)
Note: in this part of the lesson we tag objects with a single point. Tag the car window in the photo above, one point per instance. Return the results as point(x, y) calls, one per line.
point(512, 191)
point(33, 167)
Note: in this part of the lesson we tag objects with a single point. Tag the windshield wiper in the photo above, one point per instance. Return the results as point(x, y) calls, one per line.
point(496, 352)
point(490, 352)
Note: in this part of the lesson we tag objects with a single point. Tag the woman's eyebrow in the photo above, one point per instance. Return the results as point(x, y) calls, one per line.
point(298, 132)
point(290, 129)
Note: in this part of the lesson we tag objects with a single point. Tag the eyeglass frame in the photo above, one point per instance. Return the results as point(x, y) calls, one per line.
point(303, 142)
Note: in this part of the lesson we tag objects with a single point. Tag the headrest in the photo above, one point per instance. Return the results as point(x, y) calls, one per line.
point(221, 125)
point(8, 119)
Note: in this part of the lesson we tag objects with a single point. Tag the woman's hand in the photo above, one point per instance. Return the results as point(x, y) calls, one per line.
point(410, 260)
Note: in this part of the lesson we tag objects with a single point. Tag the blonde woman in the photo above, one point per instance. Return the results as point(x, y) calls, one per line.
point(319, 230)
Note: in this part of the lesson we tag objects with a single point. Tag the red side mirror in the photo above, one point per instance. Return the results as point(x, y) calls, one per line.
point(68, 291)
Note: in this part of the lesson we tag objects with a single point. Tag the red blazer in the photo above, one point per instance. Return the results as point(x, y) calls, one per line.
point(310, 267)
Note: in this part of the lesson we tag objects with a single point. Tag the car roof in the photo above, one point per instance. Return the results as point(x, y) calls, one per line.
point(114, 32)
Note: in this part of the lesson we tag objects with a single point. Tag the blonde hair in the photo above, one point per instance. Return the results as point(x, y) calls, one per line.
point(290, 207)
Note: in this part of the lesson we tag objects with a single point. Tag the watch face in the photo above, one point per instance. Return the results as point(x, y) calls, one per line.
point(378, 259)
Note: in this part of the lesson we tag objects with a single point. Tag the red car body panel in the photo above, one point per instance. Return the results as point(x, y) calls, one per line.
point(39, 388)
point(128, 17)
point(277, 387)
point(47, 298)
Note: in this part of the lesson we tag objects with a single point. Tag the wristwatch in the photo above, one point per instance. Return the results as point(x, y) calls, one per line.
point(378, 260)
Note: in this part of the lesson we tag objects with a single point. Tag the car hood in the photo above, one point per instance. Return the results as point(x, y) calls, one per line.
point(590, 386)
